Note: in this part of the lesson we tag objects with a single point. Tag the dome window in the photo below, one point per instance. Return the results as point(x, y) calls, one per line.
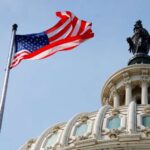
point(81, 129)
point(51, 140)
point(146, 121)
point(114, 123)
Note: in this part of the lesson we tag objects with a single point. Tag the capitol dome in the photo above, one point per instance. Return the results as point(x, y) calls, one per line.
point(122, 123)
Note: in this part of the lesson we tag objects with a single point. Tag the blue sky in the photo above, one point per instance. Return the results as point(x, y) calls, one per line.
point(46, 92)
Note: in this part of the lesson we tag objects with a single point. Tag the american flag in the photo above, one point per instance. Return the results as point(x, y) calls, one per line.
point(68, 33)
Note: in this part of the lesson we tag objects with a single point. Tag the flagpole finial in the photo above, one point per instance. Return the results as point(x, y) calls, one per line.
point(14, 26)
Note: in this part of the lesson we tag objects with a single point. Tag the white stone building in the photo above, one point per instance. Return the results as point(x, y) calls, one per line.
point(122, 123)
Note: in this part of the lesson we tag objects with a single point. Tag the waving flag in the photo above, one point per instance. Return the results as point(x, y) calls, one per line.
point(68, 33)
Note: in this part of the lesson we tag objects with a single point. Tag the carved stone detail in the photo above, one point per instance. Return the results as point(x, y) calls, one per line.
point(106, 101)
point(83, 118)
point(81, 138)
point(48, 148)
point(126, 78)
point(114, 90)
point(30, 142)
point(110, 85)
point(144, 75)
point(55, 129)
point(113, 133)
point(147, 109)
point(147, 132)
point(115, 111)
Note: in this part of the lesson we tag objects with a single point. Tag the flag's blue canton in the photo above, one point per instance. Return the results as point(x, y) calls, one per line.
point(30, 42)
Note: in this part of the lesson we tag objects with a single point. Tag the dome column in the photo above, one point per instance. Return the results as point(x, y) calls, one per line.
point(115, 96)
point(144, 88)
point(128, 89)
point(144, 92)
point(128, 93)
point(116, 99)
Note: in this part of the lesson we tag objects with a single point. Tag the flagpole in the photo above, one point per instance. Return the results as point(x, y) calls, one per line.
point(7, 71)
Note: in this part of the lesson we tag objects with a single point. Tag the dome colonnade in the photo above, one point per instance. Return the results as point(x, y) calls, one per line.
point(129, 84)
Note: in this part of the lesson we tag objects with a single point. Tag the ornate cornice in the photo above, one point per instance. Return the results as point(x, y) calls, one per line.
point(144, 75)
point(126, 78)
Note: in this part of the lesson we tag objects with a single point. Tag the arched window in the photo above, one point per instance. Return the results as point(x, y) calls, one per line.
point(81, 129)
point(146, 121)
point(51, 140)
point(114, 122)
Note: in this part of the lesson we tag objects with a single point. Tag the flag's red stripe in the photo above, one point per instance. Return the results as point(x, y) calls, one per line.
point(82, 27)
point(69, 13)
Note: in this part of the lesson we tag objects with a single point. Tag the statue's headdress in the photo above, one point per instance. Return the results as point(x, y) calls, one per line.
point(138, 24)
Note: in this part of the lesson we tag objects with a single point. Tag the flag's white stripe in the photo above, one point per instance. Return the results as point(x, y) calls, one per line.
point(22, 51)
point(55, 49)
point(64, 35)
point(76, 28)
point(65, 14)
point(59, 29)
